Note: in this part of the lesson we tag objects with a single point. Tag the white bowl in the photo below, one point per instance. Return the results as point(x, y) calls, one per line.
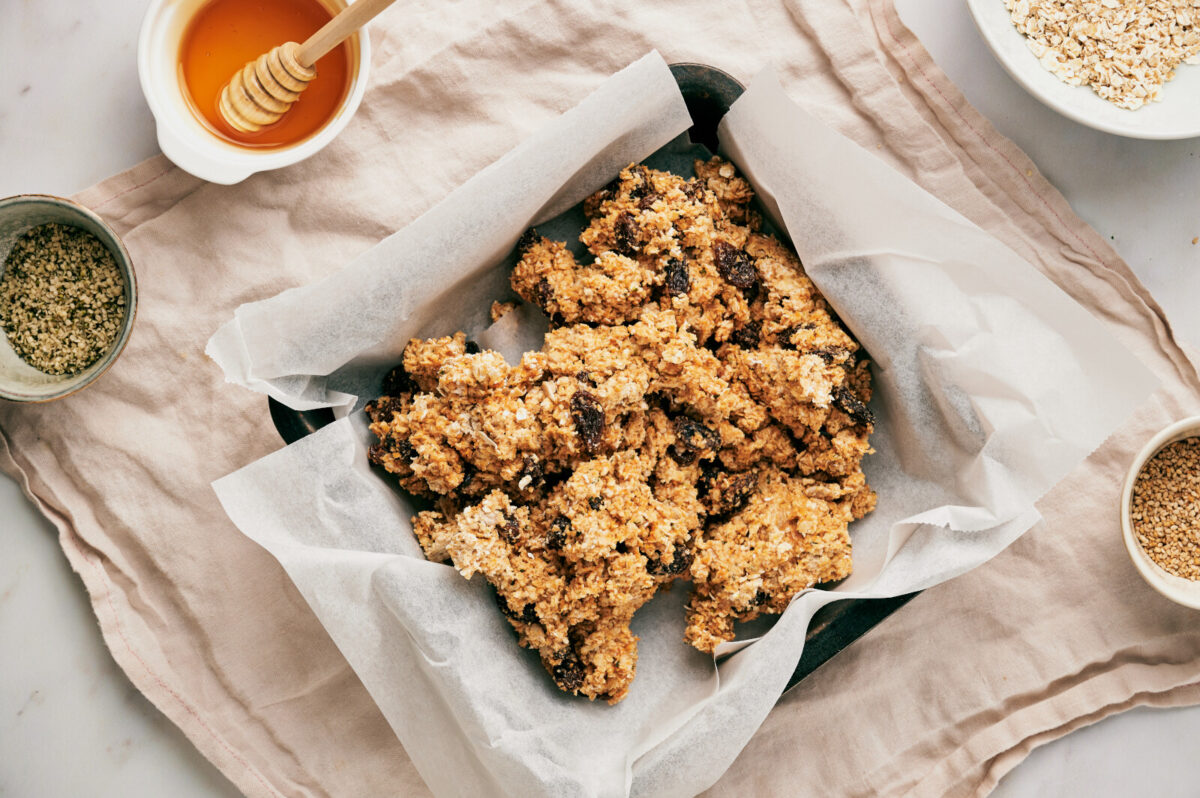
point(19, 381)
point(1180, 590)
point(184, 139)
point(1176, 116)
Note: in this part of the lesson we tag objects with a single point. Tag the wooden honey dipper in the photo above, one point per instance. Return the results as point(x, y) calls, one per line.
point(264, 89)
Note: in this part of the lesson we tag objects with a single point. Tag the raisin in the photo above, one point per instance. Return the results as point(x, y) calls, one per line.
point(748, 337)
point(725, 494)
point(641, 182)
point(528, 613)
point(678, 279)
point(697, 435)
point(735, 266)
point(595, 502)
point(691, 440)
point(683, 455)
point(527, 240)
point(738, 491)
point(586, 378)
point(557, 537)
point(589, 419)
point(695, 190)
point(375, 453)
point(626, 235)
point(647, 202)
point(405, 450)
point(784, 337)
point(622, 547)
point(398, 381)
point(852, 406)
point(659, 398)
point(469, 474)
point(531, 469)
point(382, 408)
point(760, 598)
point(511, 529)
point(568, 674)
point(680, 563)
point(543, 295)
point(472, 348)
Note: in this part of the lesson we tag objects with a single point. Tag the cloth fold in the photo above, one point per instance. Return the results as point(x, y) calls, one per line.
point(941, 699)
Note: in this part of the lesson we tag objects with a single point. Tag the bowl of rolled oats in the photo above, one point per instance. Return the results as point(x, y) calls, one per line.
point(67, 297)
point(1129, 67)
point(1160, 512)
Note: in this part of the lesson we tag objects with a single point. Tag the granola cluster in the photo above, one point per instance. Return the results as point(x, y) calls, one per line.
point(696, 412)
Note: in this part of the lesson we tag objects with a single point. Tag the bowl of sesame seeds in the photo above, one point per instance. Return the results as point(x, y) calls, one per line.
point(67, 297)
point(1160, 512)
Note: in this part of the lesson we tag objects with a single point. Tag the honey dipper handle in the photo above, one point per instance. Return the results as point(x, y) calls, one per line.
point(332, 32)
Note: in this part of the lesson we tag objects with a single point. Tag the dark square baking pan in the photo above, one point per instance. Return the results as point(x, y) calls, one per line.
point(708, 93)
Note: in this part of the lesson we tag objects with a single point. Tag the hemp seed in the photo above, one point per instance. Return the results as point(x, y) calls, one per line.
point(1165, 510)
point(62, 298)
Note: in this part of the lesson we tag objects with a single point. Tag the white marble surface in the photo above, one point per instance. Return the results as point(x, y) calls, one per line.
point(71, 113)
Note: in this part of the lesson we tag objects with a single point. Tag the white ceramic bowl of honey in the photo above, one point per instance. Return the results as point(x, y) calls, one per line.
point(188, 49)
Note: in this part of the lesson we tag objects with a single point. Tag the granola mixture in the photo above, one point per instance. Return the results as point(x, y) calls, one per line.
point(62, 298)
point(696, 412)
point(1126, 50)
point(1165, 508)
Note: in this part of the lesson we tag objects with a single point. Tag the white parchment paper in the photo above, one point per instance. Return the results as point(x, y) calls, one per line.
point(991, 385)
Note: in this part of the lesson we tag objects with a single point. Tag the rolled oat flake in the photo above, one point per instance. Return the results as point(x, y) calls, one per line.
point(62, 298)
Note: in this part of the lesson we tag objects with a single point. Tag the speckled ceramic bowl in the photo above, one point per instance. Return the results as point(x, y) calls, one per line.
point(20, 382)
point(1181, 591)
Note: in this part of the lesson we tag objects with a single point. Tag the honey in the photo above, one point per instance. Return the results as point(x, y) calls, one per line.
point(225, 34)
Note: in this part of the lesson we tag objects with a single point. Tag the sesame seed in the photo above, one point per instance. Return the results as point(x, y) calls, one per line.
point(1165, 508)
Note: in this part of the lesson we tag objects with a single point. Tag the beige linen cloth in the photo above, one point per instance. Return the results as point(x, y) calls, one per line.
point(942, 699)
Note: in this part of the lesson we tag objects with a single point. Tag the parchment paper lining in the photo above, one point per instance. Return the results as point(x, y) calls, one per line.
point(992, 384)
